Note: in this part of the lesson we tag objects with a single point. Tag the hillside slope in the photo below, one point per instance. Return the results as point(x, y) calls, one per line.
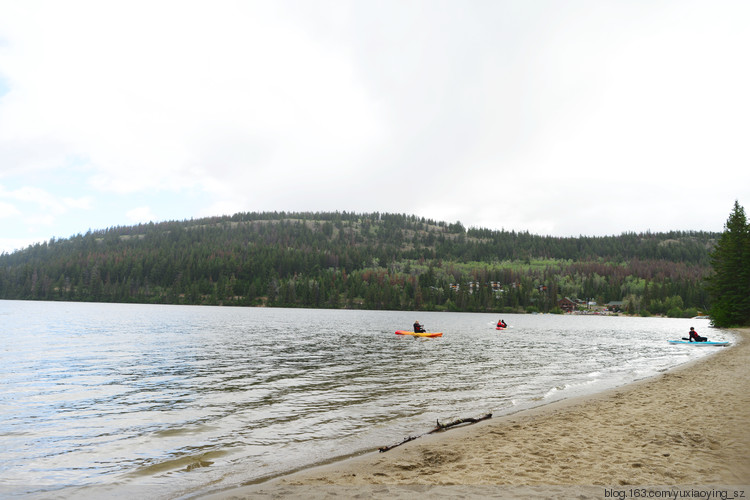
point(376, 260)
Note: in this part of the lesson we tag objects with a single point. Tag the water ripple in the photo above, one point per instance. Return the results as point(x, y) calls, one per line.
point(178, 398)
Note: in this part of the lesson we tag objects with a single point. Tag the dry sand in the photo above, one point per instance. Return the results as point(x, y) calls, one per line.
point(685, 432)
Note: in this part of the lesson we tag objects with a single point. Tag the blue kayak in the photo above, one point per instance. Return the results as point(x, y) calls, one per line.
point(687, 342)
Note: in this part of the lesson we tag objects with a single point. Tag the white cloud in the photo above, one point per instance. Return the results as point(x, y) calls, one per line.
point(8, 210)
point(38, 219)
point(84, 203)
point(546, 116)
point(140, 215)
point(199, 93)
point(43, 200)
point(9, 245)
point(36, 196)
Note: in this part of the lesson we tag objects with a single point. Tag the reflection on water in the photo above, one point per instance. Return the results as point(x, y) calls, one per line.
point(178, 398)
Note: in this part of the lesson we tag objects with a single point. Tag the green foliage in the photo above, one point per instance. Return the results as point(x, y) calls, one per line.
point(729, 285)
point(364, 261)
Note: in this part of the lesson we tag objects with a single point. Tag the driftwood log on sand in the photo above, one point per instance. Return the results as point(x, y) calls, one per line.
point(439, 427)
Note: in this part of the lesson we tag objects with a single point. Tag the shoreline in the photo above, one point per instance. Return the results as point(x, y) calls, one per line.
point(688, 426)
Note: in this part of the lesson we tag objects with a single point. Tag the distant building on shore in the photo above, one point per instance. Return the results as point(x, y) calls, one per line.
point(566, 304)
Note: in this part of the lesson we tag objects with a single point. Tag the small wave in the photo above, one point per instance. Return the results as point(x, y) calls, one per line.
point(555, 390)
point(181, 464)
point(182, 431)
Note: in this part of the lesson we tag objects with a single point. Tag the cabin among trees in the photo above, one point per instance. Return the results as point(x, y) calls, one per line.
point(566, 305)
point(615, 306)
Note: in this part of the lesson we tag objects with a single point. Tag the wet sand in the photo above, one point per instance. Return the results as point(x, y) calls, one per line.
point(688, 429)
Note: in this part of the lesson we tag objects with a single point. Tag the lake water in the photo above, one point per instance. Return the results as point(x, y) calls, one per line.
point(176, 401)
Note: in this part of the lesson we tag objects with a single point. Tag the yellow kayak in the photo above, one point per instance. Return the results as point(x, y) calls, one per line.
point(419, 334)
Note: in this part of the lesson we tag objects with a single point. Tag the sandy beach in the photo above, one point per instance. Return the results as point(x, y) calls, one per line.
point(687, 430)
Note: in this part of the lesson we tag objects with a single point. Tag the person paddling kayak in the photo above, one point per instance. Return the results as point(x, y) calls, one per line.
point(694, 337)
point(418, 328)
point(502, 324)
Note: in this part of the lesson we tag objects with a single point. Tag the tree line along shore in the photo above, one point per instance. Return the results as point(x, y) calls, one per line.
point(364, 261)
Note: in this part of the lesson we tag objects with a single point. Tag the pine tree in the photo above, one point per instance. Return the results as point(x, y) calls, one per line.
point(729, 285)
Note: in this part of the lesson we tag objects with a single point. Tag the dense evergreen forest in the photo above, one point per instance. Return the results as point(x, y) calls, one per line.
point(367, 261)
point(729, 281)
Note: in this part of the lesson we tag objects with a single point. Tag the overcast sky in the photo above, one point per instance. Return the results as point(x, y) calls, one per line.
point(558, 117)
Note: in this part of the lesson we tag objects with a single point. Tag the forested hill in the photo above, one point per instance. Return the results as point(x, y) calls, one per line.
point(376, 260)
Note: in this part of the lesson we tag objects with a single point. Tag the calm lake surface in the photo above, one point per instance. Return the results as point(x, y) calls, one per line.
point(177, 401)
